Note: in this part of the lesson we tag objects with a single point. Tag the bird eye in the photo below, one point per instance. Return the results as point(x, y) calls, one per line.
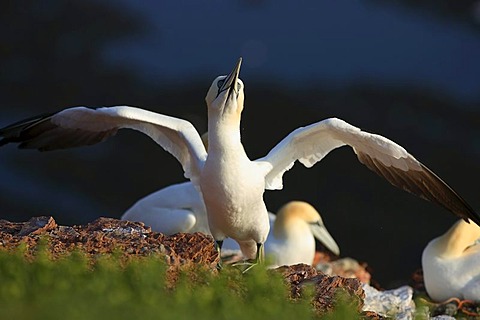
point(220, 83)
point(239, 86)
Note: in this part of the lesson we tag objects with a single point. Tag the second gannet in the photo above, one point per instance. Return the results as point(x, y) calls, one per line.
point(232, 185)
point(292, 239)
point(451, 264)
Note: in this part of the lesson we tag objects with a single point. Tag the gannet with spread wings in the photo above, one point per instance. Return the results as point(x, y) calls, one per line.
point(232, 185)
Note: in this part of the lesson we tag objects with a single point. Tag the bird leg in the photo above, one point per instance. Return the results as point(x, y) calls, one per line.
point(259, 259)
point(218, 247)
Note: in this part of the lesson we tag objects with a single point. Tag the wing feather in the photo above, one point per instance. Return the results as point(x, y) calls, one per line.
point(389, 160)
point(80, 126)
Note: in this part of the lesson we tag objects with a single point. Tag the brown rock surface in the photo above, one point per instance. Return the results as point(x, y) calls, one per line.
point(106, 235)
point(326, 287)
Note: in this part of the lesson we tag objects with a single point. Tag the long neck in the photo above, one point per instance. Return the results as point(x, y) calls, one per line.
point(458, 238)
point(223, 132)
point(286, 226)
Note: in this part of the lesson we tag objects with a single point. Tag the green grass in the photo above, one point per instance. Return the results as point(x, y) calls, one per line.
point(75, 287)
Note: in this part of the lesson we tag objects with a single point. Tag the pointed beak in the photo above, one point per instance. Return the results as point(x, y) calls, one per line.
point(231, 80)
point(320, 232)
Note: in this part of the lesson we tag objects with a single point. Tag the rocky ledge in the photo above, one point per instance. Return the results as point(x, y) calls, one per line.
point(106, 235)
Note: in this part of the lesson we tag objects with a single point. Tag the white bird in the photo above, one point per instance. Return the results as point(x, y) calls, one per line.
point(232, 185)
point(173, 209)
point(451, 263)
point(292, 240)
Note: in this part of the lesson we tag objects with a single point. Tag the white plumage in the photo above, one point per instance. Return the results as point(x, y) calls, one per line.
point(173, 209)
point(292, 239)
point(451, 263)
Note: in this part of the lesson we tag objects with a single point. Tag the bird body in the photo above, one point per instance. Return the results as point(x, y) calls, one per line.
point(176, 208)
point(242, 215)
point(292, 239)
point(451, 263)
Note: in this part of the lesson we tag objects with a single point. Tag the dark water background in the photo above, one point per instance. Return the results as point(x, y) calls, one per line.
point(407, 70)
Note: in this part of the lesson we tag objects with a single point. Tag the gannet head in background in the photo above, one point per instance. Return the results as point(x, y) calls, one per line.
point(299, 213)
point(292, 239)
point(451, 263)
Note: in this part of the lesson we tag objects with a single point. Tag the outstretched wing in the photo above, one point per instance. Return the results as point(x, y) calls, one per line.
point(383, 156)
point(80, 126)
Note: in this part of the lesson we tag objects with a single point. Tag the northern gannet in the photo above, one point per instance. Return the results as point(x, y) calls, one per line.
point(451, 264)
point(175, 208)
point(232, 185)
point(292, 239)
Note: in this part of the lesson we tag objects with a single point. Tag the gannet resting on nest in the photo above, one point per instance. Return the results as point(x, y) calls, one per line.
point(173, 209)
point(291, 239)
point(232, 185)
point(451, 264)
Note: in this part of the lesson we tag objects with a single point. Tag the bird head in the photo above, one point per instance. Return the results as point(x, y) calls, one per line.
point(226, 93)
point(303, 211)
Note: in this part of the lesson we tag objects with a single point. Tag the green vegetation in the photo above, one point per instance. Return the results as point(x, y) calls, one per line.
point(111, 287)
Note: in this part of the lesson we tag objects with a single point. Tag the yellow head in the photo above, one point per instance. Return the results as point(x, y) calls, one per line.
point(300, 212)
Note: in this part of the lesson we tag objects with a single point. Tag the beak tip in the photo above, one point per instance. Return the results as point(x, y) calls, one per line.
point(231, 79)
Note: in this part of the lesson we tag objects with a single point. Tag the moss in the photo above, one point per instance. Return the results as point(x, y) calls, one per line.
point(75, 287)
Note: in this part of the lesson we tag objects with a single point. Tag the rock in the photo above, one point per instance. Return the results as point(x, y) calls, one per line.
point(107, 235)
point(397, 303)
point(10, 227)
point(325, 287)
point(37, 225)
point(345, 267)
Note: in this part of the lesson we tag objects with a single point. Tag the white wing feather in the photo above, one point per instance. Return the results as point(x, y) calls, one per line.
point(176, 136)
point(312, 143)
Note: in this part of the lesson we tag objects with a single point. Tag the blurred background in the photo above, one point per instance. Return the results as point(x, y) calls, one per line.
point(408, 70)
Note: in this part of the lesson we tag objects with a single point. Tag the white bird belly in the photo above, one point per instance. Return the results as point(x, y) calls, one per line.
point(233, 197)
point(452, 277)
point(299, 247)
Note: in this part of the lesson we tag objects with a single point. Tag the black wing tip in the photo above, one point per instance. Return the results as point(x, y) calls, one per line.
point(474, 216)
point(468, 213)
point(454, 204)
